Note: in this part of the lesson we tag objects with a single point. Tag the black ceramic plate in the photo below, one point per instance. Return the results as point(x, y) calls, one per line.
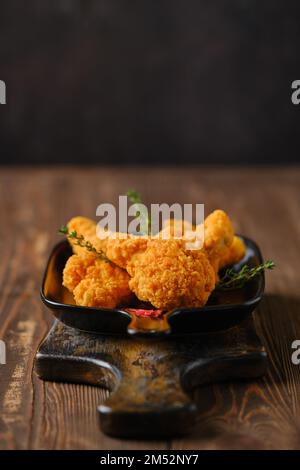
point(224, 309)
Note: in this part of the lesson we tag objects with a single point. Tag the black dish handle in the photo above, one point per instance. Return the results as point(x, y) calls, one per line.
point(158, 326)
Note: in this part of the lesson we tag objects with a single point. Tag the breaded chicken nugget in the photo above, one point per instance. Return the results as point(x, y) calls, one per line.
point(120, 251)
point(175, 228)
point(92, 294)
point(218, 236)
point(163, 272)
point(96, 283)
point(234, 253)
point(168, 276)
point(215, 235)
point(88, 228)
point(75, 270)
point(103, 285)
point(182, 230)
point(118, 247)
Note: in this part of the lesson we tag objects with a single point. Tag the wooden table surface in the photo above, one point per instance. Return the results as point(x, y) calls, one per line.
point(264, 205)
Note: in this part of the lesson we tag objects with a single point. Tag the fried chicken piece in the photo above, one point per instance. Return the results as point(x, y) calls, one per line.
point(96, 283)
point(104, 285)
point(163, 272)
point(88, 228)
point(118, 247)
point(218, 236)
point(79, 275)
point(175, 228)
point(234, 253)
point(182, 230)
point(120, 251)
point(168, 276)
point(75, 270)
point(93, 294)
point(214, 236)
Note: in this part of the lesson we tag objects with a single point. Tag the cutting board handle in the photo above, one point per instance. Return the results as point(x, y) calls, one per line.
point(145, 405)
point(150, 379)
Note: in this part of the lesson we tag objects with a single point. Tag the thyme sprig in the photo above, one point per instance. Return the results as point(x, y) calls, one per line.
point(235, 280)
point(81, 241)
point(135, 198)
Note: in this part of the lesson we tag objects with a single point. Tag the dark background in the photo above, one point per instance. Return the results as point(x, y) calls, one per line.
point(116, 81)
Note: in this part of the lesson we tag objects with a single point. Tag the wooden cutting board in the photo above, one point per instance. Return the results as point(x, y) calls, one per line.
point(151, 379)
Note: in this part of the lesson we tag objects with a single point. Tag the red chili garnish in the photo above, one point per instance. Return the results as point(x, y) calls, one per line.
point(140, 312)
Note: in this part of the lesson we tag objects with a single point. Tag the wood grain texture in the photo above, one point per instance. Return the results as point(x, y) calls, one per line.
point(264, 205)
point(152, 379)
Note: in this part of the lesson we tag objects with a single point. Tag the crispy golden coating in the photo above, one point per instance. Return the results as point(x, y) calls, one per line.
point(120, 251)
point(214, 236)
point(182, 230)
point(218, 236)
point(234, 253)
point(87, 228)
point(168, 276)
point(118, 247)
point(164, 272)
point(96, 283)
point(75, 270)
point(92, 294)
point(175, 228)
point(104, 285)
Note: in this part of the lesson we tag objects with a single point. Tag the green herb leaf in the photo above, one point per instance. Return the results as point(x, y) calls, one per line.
point(235, 280)
point(63, 230)
point(80, 241)
point(135, 198)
